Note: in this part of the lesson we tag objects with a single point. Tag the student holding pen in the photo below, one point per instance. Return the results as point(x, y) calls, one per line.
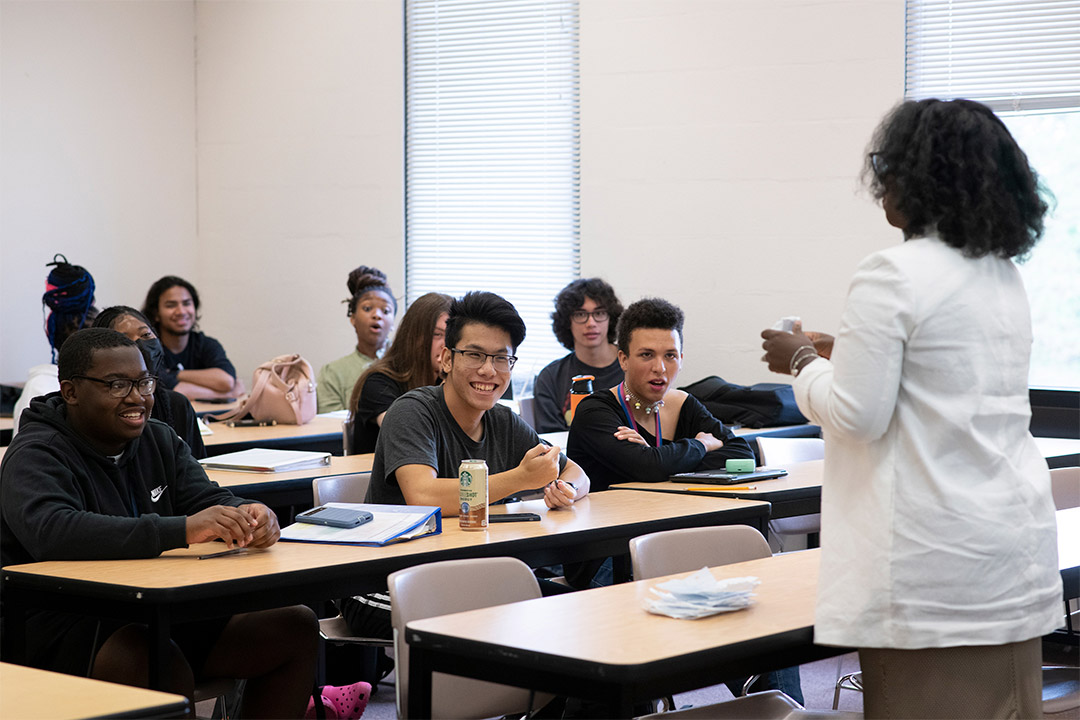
point(92, 476)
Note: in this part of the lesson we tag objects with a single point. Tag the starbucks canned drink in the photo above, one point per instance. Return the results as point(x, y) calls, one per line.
point(473, 479)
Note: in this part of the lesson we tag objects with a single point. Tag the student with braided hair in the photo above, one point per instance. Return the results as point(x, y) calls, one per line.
point(69, 302)
point(371, 312)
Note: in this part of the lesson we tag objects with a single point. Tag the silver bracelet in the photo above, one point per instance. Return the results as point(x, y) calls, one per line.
point(808, 359)
point(798, 355)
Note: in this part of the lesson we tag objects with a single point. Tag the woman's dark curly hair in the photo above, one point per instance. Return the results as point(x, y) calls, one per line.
point(954, 165)
point(363, 280)
point(572, 297)
point(652, 314)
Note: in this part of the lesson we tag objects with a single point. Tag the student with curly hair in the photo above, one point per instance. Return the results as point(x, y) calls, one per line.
point(196, 365)
point(586, 313)
point(371, 313)
point(413, 360)
point(938, 536)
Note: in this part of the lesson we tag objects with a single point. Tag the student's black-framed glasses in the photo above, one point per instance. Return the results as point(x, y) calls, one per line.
point(582, 316)
point(474, 360)
point(121, 387)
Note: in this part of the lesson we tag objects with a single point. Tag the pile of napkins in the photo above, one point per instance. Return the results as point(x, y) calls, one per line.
point(700, 595)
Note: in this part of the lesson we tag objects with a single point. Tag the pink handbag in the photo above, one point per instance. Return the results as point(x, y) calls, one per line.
point(282, 390)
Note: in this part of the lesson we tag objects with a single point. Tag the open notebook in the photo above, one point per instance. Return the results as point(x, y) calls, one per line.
point(389, 524)
point(267, 461)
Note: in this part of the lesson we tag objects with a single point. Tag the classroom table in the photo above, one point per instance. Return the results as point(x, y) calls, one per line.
point(605, 647)
point(177, 587)
point(322, 434)
point(797, 493)
point(1059, 452)
point(32, 694)
point(291, 488)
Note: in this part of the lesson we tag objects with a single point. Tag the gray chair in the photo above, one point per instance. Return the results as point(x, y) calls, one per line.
point(777, 452)
point(452, 586)
point(351, 489)
point(1065, 486)
point(525, 407)
point(676, 551)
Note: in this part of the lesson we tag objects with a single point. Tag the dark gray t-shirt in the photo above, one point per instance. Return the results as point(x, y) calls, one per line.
point(419, 430)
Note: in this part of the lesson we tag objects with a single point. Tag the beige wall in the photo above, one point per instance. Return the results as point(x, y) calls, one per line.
point(258, 145)
point(720, 146)
point(97, 154)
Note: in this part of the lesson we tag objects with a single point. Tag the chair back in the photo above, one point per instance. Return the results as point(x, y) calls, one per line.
point(452, 586)
point(675, 551)
point(1065, 485)
point(525, 407)
point(777, 452)
point(340, 488)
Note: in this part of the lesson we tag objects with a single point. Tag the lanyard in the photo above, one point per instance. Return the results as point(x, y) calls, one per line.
point(630, 416)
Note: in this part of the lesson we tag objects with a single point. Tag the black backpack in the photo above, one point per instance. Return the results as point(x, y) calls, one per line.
point(755, 406)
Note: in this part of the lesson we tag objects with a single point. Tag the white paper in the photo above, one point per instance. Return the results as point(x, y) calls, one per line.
point(389, 523)
point(700, 595)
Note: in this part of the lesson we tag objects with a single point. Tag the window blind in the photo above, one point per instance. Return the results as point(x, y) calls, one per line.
point(1009, 54)
point(492, 155)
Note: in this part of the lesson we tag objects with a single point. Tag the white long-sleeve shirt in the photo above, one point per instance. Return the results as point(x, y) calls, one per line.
point(937, 523)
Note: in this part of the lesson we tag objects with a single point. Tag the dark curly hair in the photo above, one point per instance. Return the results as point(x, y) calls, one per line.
point(153, 298)
point(650, 313)
point(485, 308)
point(572, 297)
point(363, 280)
point(954, 165)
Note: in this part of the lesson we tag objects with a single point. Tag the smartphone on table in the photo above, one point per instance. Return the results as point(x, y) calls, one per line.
point(335, 517)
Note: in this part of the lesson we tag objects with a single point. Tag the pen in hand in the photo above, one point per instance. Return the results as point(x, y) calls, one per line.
point(223, 553)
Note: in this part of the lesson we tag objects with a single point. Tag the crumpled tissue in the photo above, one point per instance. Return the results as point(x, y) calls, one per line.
point(700, 595)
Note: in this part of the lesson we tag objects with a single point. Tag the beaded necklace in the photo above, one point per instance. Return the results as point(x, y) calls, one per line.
point(624, 398)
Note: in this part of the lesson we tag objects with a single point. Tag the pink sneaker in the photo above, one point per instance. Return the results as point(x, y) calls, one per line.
point(342, 703)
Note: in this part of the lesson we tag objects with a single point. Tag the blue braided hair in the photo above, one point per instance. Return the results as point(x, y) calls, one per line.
point(69, 295)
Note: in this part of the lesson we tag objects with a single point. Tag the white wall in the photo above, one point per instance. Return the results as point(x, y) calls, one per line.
point(720, 144)
point(300, 169)
point(721, 140)
point(97, 154)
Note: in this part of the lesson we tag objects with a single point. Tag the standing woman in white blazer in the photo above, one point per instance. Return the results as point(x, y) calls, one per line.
point(939, 548)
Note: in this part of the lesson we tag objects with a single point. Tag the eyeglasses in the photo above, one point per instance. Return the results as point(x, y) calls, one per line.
point(879, 164)
point(582, 316)
point(474, 360)
point(121, 387)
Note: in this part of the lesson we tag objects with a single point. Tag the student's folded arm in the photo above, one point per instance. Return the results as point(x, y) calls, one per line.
point(214, 379)
point(594, 427)
point(420, 486)
point(703, 421)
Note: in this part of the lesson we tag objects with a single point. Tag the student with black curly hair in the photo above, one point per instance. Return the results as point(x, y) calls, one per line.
point(586, 313)
point(196, 365)
point(938, 536)
point(371, 313)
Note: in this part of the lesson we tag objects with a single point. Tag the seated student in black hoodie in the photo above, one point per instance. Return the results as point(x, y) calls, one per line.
point(91, 476)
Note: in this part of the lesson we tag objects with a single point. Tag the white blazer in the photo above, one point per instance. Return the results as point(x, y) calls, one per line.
point(937, 522)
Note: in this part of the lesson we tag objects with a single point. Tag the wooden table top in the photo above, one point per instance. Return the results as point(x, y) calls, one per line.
point(175, 569)
point(225, 435)
point(339, 465)
point(32, 694)
point(608, 627)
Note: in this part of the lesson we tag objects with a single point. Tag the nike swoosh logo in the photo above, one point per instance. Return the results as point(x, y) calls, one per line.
point(157, 492)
